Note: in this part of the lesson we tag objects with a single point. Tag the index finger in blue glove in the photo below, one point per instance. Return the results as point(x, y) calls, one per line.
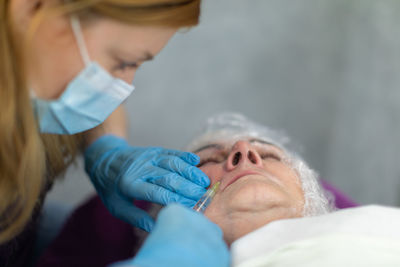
point(180, 185)
point(155, 193)
point(184, 169)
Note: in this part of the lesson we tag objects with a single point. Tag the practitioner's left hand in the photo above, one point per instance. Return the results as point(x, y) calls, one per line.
point(182, 237)
point(122, 173)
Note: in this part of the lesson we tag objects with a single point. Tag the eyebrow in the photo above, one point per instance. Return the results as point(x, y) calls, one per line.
point(216, 146)
point(120, 55)
point(254, 140)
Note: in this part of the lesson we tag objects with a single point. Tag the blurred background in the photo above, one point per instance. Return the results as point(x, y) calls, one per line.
point(325, 71)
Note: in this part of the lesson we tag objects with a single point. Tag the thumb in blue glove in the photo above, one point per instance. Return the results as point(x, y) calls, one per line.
point(121, 173)
point(182, 237)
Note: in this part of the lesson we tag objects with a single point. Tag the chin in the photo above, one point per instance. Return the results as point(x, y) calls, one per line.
point(254, 193)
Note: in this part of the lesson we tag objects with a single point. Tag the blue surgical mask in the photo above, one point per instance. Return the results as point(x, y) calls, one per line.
point(88, 99)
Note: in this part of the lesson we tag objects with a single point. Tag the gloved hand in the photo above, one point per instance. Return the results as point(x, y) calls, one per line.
point(121, 173)
point(182, 237)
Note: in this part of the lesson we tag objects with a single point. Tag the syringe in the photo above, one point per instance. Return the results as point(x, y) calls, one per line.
point(206, 199)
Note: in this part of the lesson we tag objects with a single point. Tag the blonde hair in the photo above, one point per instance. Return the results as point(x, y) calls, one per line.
point(30, 160)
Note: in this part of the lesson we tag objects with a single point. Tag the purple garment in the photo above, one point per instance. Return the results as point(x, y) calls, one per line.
point(93, 237)
point(342, 201)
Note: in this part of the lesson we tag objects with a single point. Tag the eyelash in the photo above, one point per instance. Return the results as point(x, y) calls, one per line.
point(270, 155)
point(220, 159)
point(212, 159)
point(123, 65)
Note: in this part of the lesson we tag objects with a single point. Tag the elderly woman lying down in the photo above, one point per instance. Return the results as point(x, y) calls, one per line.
point(270, 206)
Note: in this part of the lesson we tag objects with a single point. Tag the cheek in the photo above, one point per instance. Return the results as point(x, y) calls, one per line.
point(286, 175)
point(53, 61)
point(214, 172)
point(293, 186)
point(218, 212)
point(214, 209)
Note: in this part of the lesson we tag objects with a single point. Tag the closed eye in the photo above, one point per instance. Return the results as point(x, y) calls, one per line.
point(214, 160)
point(127, 65)
point(268, 155)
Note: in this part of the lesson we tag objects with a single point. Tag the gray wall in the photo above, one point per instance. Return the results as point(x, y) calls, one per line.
point(325, 71)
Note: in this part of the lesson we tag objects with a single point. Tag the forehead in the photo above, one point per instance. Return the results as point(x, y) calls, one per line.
point(128, 37)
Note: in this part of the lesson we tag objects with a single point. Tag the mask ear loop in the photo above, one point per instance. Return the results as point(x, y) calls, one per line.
point(76, 28)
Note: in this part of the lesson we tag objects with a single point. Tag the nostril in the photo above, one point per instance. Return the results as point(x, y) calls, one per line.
point(236, 158)
point(252, 157)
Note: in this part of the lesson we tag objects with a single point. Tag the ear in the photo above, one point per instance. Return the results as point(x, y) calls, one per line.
point(23, 11)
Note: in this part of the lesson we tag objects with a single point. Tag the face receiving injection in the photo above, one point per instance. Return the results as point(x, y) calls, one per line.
point(206, 199)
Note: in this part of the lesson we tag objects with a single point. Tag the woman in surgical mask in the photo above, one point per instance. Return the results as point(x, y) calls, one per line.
point(66, 68)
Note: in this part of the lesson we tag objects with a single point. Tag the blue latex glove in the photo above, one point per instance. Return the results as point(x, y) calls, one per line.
point(182, 237)
point(121, 173)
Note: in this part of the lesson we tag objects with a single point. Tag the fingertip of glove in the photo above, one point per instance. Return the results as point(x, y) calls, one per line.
point(192, 158)
point(147, 225)
point(202, 179)
point(206, 181)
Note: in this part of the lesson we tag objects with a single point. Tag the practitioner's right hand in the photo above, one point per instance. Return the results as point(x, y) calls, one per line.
point(182, 237)
point(122, 173)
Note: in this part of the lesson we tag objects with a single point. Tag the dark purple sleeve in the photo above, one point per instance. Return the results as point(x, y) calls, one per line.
point(90, 237)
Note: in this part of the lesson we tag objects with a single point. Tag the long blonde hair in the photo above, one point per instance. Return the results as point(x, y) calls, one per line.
point(30, 160)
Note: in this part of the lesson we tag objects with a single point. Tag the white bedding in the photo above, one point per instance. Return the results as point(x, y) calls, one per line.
point(365, 236)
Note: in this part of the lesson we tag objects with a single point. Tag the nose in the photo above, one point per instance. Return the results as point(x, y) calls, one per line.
point(243, 153)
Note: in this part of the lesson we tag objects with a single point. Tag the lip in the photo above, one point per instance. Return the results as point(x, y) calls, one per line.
point(237, 177)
